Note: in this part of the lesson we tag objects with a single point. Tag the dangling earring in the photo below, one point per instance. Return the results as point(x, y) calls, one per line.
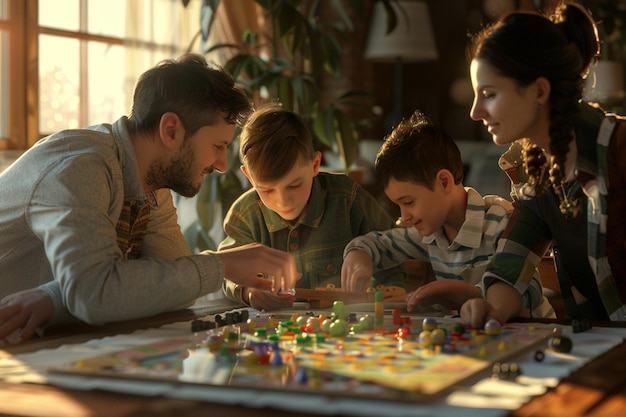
point(538, 106)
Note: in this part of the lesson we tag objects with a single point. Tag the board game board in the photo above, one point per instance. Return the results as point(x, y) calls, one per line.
point(400, 358)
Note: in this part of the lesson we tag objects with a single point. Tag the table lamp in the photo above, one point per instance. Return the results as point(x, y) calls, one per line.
point(412, 40)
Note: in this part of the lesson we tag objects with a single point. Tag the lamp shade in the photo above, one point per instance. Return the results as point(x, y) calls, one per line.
point(411, 40)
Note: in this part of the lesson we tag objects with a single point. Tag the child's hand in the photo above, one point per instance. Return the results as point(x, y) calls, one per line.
point(263, 300)
point(446, 292)
point(502, 302)
point(475, 312)
point(356, 271)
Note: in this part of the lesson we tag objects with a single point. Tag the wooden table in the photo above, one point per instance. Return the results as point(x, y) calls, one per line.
point(597, 389)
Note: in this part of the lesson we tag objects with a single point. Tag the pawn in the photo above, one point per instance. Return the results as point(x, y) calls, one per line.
point(505, 371)
point(561, 344)
point(493, 327)
point(425, 339)
point(429, 323)
point(438, 336)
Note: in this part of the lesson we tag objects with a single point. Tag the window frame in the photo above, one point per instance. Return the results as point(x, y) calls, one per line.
point(23, 107)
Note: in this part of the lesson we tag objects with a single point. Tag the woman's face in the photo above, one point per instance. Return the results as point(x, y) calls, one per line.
point(509, 111)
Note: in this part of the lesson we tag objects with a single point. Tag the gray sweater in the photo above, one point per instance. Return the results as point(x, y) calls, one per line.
point(59, 205)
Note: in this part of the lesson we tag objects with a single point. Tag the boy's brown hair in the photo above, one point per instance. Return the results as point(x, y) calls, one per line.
point(415, 151)
point(272, 141)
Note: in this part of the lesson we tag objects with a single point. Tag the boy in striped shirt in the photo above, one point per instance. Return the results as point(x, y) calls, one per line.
point(445, 223)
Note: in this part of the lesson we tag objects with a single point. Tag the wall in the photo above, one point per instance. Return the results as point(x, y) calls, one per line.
point(429, 86)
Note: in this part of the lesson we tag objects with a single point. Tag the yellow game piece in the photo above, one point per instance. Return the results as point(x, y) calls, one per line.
point(271, 323)
point(480, 338)
point(425, 339)
point(437, 336)
point(251, 325)
point(503, 346)
point(483, 351)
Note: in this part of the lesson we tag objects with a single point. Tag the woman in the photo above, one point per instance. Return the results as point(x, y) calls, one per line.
point(528, 74)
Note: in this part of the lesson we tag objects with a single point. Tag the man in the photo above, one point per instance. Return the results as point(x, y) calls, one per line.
point(88, 229)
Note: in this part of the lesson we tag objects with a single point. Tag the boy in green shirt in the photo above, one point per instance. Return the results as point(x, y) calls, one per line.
point(296, 208)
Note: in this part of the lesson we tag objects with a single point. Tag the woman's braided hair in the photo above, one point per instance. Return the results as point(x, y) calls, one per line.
point(561, 48)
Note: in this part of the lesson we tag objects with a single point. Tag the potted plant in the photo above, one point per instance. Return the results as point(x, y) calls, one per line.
point(287, 61)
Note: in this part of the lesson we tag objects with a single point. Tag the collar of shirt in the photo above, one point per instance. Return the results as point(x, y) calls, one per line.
point(133, 189)
point(311, 217)
point(471, 233)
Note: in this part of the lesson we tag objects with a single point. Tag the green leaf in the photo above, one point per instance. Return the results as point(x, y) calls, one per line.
point(285, 93)
point(324, 127)
point(333, 55)
point(249, 38)
point(346, 137)
point(222, 45)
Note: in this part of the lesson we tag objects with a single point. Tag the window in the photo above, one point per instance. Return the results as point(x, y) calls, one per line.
point(73, 63)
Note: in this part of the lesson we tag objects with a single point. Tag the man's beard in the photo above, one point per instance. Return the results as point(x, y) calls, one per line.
point(177, 175)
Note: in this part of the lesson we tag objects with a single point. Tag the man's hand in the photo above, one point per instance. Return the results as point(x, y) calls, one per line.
point(446, 292)
point(263, 300)
point(244, 264)
point(22, 313)
point(356, 271)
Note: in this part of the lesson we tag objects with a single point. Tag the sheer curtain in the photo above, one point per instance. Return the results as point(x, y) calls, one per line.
point(232, 20)
point(157, 30)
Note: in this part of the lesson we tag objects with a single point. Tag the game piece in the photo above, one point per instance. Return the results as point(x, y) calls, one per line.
point(505, 371)
point(379, 308)
point(271, 323)
point(492, 327)
point(275, 358)
point(339, 310)
point(301, 376)
point(437, 336)
point(200, 325)
point(429, 323)
point(367, 322)
point(404, 333)
point(312, 325)
point(580, 325)
point(562, 344)
point(338, 328)
point(539, 355)
point(425, 339)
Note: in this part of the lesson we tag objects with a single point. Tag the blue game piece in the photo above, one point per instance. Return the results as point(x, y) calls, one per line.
point(275, 358)
point(429, 323)
point(301, 376)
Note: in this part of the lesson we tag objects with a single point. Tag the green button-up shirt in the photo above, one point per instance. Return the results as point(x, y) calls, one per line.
point(338, 210)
